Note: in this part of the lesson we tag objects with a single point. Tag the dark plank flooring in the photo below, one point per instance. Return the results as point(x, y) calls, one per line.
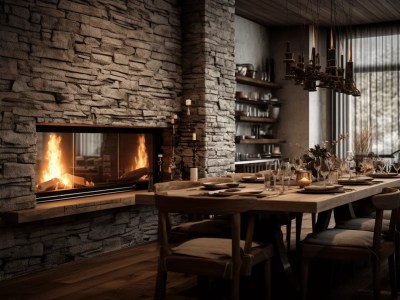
point(130, 274)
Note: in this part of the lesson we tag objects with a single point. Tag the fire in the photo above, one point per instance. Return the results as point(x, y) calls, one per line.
point(141, 160)
point(55, 169)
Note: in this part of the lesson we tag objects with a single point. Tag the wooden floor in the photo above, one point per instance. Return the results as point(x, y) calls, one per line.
point(130, 274)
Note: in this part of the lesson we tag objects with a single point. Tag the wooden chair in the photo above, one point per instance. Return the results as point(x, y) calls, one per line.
point(364, 219)
point(211, 257)
point(284, 218)
point(194, 224)
point(222, 179)
point(357, 245)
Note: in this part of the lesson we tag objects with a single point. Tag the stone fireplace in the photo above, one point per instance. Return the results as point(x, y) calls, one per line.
point(126, 64)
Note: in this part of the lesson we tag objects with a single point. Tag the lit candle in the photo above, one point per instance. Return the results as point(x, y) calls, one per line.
point(188, 102)
point(313, 36)
point(160, 155)
point(175, 116)
point(172, 120)
point(194, 136)
point(350, 51)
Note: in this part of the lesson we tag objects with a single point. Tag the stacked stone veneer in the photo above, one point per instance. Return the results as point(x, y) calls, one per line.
point(104, 62)
point(208, 72)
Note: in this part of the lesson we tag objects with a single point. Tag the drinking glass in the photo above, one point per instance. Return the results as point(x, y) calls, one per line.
point(396, 166)
point(324, 170)
point(268, 181)
point(275, 172)
point(317, 166)
point(285, 171)
point(350, 162)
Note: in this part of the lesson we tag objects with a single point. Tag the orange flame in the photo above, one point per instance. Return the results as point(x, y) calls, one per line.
point(54, 167)
point(141, 160)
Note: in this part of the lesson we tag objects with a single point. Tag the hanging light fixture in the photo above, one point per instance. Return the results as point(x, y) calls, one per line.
point(310, 76)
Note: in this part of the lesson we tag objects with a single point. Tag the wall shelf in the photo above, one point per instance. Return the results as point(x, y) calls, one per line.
point(257, 82)
point(261, 141)
point(255, 119)
point(258, 102)
point(256, 161)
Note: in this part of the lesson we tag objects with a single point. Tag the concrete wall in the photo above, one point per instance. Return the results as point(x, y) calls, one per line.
point(305, 116)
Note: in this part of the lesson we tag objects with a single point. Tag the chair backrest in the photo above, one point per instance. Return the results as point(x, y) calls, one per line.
point(207, 205)
point(175, 185)
point(216, 179)
point(389, 199)
point(239, 176)
point(202, 205)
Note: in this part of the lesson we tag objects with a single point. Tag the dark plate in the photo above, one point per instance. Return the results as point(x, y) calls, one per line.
point(383, 175)
point(322, 191)
point(356, 182)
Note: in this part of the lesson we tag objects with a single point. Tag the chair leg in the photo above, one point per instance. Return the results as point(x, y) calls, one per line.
point(376, 278)
point(392, 275)
point(397, 258)
point(235, 286)
point(313, 221)
point(267, 279)
point(288, 234)
point(304, 278)
point(299, 221)
point(161, 283)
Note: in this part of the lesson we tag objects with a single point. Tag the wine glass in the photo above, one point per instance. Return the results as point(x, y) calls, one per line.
point(317, 166)
point(324, 169)
point(396, 166)
point(350, 162)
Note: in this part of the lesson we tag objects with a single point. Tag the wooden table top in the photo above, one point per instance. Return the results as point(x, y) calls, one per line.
point(292, 200)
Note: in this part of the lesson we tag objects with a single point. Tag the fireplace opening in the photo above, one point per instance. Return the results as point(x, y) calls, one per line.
point(81, 161)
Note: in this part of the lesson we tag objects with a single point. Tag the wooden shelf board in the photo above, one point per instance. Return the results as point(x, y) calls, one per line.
point(255, 119)
point(262, 141)
point(256, 82)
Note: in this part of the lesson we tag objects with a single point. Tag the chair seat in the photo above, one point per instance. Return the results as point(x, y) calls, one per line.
point(211, 248)
point(341, 237)
point(366, 224)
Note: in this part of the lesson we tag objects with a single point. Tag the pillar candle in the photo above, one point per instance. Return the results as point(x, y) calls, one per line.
point(188, 102)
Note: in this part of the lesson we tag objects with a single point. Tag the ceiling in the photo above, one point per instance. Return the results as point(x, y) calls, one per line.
point(299, 12)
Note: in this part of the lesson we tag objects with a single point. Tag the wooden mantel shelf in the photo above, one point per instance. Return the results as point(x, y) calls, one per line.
point(50, 210)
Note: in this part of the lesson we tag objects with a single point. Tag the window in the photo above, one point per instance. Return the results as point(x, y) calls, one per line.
point(376, 56)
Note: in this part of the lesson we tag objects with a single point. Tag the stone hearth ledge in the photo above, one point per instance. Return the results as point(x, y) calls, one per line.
point(57, 209)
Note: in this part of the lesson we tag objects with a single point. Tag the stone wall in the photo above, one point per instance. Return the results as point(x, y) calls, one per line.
point(34, 246)
point(104, 62)
point(81, 62)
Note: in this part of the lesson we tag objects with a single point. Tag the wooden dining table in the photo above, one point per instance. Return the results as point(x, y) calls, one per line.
point(293, 200)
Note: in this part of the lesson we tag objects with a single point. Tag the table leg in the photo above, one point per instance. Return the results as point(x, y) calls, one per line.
point(323, 220)
point(283, 258)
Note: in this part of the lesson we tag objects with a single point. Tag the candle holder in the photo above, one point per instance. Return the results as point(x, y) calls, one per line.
point(194, 150)
point(172, 165)
point(160, 168)
point(194, 170)
point(303, 178)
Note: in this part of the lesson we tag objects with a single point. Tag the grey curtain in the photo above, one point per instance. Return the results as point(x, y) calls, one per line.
point(376, 57)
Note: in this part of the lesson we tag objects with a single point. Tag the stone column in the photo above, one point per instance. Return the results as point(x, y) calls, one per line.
point(208, 71)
